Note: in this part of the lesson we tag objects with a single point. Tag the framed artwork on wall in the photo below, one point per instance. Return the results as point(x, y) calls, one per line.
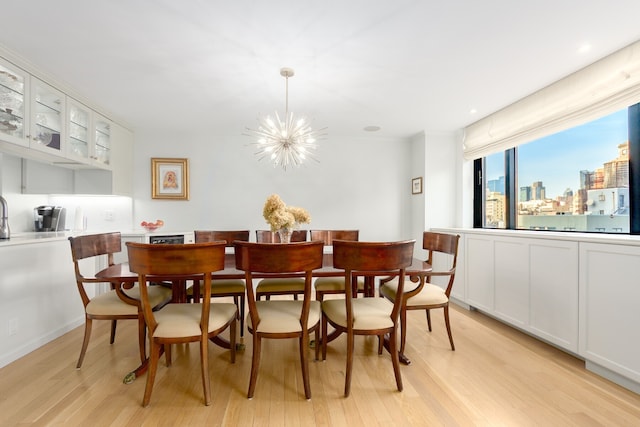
point(170, 179)
point(416, 185)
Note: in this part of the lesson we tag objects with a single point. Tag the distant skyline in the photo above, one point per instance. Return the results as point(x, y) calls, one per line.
point(557, 159)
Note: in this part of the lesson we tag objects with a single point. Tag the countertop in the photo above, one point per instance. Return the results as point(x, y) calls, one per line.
point(26, 238)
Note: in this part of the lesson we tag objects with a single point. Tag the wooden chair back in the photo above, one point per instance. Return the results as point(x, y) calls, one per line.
point(293, 260)
point(229, 236)
point(446, 244)
point(268, 236)
point(372, 259)
point(328, 236)
point(171, 261)
point(89, 246)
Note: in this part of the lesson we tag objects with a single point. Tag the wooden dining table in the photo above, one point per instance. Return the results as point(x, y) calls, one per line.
point(121, 276)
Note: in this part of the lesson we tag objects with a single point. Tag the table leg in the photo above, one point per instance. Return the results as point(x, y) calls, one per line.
point(403, 358)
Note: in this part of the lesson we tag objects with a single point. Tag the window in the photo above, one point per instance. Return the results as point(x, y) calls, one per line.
point(574, 180)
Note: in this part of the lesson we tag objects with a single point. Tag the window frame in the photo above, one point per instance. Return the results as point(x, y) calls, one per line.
point(511, 189)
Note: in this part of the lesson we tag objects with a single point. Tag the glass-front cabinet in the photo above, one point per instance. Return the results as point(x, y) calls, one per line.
point(89, 135)
point(102, 140)
point(13, 105)
point(79, 131)
point(47, 118)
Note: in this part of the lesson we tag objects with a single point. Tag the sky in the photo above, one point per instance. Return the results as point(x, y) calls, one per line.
point(557, 160)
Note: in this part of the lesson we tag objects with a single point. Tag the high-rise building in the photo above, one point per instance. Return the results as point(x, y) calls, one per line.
point(525, 194)
point(496, 185)
point(538, 191)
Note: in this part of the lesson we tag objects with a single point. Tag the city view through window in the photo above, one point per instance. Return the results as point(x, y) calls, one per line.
point(575, 180)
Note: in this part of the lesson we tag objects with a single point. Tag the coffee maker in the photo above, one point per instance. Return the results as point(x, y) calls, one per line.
point(49, 218)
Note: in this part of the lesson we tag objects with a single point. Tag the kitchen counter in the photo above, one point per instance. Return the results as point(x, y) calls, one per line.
point(33, 237)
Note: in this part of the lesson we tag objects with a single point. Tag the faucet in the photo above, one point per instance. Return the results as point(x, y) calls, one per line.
point(4, 219)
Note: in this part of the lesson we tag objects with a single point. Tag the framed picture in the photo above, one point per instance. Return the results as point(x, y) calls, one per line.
point(416, 185)
point(170, 179)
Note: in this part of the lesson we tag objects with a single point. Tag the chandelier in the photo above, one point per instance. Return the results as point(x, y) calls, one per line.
point(288, 141)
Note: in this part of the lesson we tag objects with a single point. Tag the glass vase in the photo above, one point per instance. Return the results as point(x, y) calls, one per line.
point(285, 235)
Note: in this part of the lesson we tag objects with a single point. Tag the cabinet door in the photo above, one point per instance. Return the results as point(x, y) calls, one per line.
point(102, 141)
point(14, 108)
point(79, 137)
point(47, 118)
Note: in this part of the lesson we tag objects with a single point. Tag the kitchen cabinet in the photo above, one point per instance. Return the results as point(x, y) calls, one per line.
point(89, 136)
point(47, 118)
point(14, 107)
point(39, 122)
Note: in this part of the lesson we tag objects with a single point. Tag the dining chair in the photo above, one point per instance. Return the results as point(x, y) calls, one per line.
point(334, 285)
point(235, 288)
point(182, 323)
point(281, 318)
point(367, 316)
point(285, 285)
point(442, 248)
point(110, 305)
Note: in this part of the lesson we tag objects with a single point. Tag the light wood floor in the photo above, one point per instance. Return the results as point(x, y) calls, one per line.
point(496, 377)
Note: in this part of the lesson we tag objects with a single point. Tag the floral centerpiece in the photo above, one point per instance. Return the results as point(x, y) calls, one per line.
point(282, 218)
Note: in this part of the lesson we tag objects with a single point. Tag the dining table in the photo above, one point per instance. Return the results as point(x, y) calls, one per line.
point(121, 276)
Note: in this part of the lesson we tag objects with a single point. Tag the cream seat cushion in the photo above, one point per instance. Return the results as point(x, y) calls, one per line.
point(280, 284)
point(325, 284)
point(278, 316)
point(183, 320)
point(368, 313)
point(429, 295)
point(110, 303)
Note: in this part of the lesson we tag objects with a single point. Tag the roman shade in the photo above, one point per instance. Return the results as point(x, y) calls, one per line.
point(606, 86)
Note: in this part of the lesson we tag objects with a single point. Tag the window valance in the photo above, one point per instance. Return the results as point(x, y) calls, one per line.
point(603, 87)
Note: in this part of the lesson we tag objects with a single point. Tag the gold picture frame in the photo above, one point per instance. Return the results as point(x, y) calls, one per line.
point(170, 179)
point(416, 185)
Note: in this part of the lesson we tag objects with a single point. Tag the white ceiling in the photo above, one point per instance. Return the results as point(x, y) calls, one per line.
point(406, 66)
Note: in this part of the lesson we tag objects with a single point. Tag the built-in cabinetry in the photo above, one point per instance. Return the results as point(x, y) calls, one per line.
point(39, 122)
point(574, 290)
point(609, 315)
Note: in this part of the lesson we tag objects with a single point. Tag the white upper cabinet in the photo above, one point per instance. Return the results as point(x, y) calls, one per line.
point(79, 131)
point(102, 140)
point(47, 118)
point(14, 107)
point(89, 136)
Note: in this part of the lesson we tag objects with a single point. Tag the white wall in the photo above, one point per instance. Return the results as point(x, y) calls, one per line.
point(362, 183)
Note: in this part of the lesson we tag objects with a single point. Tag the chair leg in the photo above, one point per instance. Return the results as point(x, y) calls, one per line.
point(350, 347)
point(242, 316)
point(167, 354)
point(154, 356)
point(112, 337)
point(395, 360)
point(304, 363)
point(324, 337)
point(255, 364)
point(232, 339)
point(403, 327)
point(85, 341)
point(204, 367)
point(429, 319)
point(317, 342)
point(446, 322)
point(142, 337)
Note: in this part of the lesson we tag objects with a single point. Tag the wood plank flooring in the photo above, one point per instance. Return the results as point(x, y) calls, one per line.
point(496, 377)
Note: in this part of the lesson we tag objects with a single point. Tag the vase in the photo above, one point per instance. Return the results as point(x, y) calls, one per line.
point(285, 235)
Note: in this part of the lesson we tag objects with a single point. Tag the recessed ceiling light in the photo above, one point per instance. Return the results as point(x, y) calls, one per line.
point(473, 111)
point(372, 128)
point(586, 47)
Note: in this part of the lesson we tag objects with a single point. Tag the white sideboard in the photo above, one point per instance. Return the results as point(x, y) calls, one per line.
point(577, 291)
